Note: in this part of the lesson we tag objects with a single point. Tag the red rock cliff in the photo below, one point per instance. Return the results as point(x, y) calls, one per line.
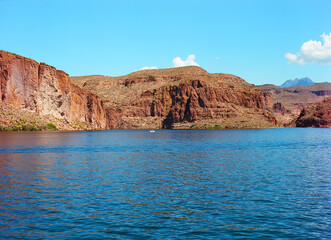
point(180, 98)
point(194, 100)
point(316, 115)
point(26, 84)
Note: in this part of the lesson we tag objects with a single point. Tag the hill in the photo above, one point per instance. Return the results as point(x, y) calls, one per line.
point(289, 102)
point(35, 96)
point(186, 97)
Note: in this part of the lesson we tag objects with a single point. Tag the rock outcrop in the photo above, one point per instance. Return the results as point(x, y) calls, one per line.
point(290, 101)
point(40, 88)
point(316, 115)
point(187, 97)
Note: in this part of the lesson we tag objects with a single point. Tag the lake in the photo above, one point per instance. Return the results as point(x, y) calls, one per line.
point(176, 184)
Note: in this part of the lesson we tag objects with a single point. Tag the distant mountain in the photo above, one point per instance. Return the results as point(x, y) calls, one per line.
point(296, 82)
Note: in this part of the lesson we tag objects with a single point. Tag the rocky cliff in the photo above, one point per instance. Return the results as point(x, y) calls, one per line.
point(40, 88)
point(316, 115)
point(289, 101)
point(187, 97)
point(176, 98)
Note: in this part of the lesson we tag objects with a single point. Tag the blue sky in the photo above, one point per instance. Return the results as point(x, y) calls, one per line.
point(247, 38)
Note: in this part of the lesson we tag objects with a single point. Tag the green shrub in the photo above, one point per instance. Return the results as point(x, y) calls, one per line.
point(51, 126)
point(34, 128)
point(23, 120)
point(193, 125)
point(17, 127)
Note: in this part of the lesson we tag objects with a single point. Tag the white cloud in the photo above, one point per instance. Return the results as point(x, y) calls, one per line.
point(146, 68)
point(178, 62)
point(313, 51)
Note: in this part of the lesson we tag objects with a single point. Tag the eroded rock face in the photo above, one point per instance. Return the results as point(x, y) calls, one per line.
point(26, 84)
point(290, 101)
point(180, 98)
point(194, 100)
point(165, 98)
point(316, 115)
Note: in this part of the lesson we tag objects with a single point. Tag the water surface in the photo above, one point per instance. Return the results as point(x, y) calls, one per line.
point(217, 184)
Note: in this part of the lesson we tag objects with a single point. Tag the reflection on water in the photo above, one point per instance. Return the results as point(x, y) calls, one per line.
point(271, 183)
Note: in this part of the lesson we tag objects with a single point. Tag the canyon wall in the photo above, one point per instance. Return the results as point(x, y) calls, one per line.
point(316, 115)
point(195, 100)
point(177, 98)
point(180, 98)
point(26, 84)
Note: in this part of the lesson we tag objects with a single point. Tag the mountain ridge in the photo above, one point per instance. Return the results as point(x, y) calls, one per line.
point(172, 98)
point(185, 97)
point(296, 82)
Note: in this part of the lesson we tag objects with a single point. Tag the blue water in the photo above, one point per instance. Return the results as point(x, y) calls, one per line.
point(217, 184)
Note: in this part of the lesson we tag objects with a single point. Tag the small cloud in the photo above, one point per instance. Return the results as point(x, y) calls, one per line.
point(178, 62)
point(146, 68)
point(313, 51)
point(217, 58)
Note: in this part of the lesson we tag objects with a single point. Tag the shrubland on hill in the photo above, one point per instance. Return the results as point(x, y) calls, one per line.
point(34, 95)
point(180, 98)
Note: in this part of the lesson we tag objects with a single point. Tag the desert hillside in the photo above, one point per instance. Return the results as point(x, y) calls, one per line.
point(289, 102)
point(186, 97)
point(35, 95)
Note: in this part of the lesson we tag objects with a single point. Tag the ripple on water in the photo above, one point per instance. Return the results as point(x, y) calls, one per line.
point(272, 183)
